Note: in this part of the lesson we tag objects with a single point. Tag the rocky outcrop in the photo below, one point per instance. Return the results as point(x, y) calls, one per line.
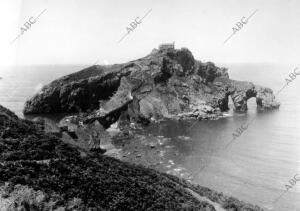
point(111, 110)
point(167, 83)
point(265, 98)
point(241, 92)
point(78, 91)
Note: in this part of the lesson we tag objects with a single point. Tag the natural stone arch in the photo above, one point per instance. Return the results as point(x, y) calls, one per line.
point(241, 92)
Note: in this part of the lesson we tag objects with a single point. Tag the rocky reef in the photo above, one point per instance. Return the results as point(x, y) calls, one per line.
point(167, 83)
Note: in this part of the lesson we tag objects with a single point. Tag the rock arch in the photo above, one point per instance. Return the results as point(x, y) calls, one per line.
point(241, 92)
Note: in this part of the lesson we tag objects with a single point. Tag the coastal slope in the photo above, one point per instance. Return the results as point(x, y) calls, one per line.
point(41, 172)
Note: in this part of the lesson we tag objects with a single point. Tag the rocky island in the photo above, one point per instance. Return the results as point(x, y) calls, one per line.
point(68, 165)
point(167, 83)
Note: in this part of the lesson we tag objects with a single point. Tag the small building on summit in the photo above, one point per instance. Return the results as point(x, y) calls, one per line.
point(166, 46)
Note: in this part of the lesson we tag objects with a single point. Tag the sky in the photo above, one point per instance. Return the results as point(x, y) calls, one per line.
point(72, 32)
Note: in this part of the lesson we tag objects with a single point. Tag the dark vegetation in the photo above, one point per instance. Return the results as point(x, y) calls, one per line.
point(41, 161)
point(228, 203)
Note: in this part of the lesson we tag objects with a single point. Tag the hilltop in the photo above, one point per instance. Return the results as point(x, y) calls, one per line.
point(167, 83)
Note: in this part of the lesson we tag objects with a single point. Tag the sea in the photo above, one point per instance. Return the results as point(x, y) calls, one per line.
point(261, 166)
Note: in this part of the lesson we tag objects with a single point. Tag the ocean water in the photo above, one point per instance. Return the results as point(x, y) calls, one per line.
point(255, 167)
point(19, 83)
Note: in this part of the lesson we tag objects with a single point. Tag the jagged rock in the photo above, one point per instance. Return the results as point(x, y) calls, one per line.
point(111, 111)
point(89, 137)
point(51, 127)
point(243, 91)
point(265, 98)
point(166, 83)
point(78, 91)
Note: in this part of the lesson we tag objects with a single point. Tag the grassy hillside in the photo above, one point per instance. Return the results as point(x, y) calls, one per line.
point(40, 172)
point(42, 162)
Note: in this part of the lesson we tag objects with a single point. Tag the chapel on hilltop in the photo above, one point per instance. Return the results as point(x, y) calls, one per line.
point(166, 46)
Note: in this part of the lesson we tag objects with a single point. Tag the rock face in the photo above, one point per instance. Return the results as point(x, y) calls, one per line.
point(79, 91)
point(166, 83)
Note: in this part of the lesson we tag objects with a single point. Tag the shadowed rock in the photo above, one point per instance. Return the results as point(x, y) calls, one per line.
point(78, 91)
point(243, 91)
